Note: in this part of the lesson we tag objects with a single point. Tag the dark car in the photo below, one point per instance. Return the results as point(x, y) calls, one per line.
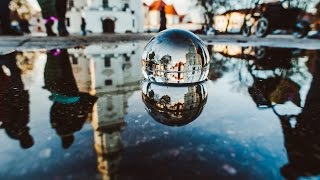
point(267, 17)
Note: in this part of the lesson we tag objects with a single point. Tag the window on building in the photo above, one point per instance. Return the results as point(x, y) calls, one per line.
point(108, 82)
point(105, 3)
point(126, 5)
point(126, 58)
point(74, 60)
point(132, 22)
point(107, 61)
point(68, 22)
point(71, 4)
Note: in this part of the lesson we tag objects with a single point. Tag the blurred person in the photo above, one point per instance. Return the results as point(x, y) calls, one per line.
point(14, 102)
point(5, 19)
point(83, 26)
point(24, 26)
point(21, 12)
point(163, 19)
point(54, 10)
point(317, 24)
point(70, 107)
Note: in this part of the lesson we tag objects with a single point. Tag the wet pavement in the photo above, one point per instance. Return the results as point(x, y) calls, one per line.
point(85, 113)
point(23, 43)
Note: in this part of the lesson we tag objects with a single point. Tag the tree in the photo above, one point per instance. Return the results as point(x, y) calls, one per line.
point(165, 60)
point(212, 7)
point(21, 9)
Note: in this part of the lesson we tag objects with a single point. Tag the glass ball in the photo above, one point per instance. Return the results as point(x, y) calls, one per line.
point(175, 56)
point(174, 105)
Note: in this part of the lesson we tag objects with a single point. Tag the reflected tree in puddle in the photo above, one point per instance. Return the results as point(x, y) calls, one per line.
point(14, 102)
point(302, 139)
point(277, 77)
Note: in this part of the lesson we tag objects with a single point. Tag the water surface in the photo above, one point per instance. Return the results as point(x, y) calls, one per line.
point(85, 113)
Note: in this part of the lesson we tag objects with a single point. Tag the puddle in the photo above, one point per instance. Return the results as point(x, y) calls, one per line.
point(85, 113)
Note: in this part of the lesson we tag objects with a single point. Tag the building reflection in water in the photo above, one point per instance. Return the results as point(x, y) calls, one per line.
point(14, 102)
point(90, 85)
point(109, 73)
point(278, 76)
point(174, 105)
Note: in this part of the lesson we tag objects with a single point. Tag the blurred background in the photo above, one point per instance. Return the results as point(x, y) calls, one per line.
point(200, 16)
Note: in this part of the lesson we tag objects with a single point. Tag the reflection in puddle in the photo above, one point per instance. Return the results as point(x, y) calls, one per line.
point(277, 77)
point(113, 79)
point(174, 106)
point(76, 79)
point(14, 104)
point(265, 100)
point(70, 107)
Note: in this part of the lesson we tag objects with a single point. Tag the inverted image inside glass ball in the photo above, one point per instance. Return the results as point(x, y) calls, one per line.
point(174, 105)
point(175, 57)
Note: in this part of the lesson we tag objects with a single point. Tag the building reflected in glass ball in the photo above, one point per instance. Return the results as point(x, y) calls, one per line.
point(174, 106)
point(175, 57)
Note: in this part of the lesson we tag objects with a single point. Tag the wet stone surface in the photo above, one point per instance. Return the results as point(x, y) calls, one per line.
point(85, 113)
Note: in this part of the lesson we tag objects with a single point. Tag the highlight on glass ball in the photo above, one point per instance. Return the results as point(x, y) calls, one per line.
point(174, 105)
point(175, 57)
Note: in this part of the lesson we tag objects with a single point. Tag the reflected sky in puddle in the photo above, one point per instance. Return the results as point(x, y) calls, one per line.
point(81, 113)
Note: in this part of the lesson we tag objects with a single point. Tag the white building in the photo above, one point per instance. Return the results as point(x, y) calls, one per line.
point(107, 16)
point(193, 64)
point(152, 15)
point(192, 20)
point(104, 70)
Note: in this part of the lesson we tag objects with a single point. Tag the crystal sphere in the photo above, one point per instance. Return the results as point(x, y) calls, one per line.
point(174, 105)
point(175, 56)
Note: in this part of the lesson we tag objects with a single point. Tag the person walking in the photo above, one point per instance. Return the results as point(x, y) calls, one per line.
point(54, 10)
point(83, 26)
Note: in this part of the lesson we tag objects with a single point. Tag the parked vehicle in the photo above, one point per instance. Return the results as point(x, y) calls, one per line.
point(230, 21)
point(264, 18)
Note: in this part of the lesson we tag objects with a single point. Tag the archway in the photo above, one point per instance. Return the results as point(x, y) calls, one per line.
point(108, 26)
